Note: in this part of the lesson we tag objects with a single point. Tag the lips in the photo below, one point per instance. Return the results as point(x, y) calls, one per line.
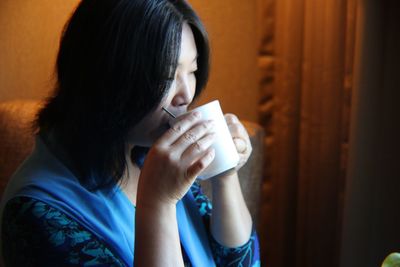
point(172, 115)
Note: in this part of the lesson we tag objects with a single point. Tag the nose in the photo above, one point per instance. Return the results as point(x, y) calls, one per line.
point(184, 92)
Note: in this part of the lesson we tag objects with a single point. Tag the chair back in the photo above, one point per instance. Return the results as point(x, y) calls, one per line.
point(16, 136)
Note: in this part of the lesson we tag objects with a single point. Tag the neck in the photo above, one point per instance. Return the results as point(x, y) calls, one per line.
point(130, 178)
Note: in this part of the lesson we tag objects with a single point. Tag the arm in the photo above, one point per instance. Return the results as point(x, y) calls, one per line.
point(245, 255)
point(157, 237)
point(231, 223)
point(170, 168)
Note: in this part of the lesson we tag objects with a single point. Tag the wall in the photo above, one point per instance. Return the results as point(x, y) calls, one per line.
point(29, 35)
point(30, 30)
point(232, 28)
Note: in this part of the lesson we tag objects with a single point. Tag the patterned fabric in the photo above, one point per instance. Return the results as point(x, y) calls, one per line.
point(245, 255)
point(37, 234)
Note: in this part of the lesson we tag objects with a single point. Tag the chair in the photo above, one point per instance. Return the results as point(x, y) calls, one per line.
point(17, 142)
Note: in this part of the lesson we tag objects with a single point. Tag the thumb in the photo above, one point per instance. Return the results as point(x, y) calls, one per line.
point(240, 145)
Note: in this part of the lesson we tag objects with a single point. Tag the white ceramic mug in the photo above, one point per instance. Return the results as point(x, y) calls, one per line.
point(226, 156)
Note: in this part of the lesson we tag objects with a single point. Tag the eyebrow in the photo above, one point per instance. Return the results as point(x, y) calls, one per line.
point(195, 58)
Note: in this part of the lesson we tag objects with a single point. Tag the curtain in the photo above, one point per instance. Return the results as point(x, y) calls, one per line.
point(328, 92)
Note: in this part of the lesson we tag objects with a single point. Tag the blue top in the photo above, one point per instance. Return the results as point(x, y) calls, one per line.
point(106, 214)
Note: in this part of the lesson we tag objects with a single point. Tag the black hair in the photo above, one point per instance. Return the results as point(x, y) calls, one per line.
point(116, 61)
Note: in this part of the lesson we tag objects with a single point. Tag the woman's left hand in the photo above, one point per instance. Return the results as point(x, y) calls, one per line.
point(240, 138)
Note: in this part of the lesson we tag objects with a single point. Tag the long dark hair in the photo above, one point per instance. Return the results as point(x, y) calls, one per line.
point(116, 61)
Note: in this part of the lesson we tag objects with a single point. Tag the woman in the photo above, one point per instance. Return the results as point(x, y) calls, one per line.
point(109, 182)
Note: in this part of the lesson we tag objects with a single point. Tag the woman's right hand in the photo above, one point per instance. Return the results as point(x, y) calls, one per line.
point(176, 159)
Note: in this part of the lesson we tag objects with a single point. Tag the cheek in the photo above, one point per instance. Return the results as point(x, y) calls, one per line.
point(144, 132)
point(154, 132)
point(192, 83)
point(152, 125)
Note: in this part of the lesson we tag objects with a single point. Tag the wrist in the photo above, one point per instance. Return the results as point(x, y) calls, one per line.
point(225, 178)
point(154, 205)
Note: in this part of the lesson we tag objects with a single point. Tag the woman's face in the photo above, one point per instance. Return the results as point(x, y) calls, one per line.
point(179, 96)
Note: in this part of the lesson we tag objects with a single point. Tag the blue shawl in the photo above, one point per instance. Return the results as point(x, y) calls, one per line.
point(108, 214)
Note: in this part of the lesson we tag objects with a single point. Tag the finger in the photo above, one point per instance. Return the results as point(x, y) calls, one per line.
point(181, 126)
point(200, 165)
point(238, 130)
point(192, 135)
point(241, 145)
point(197, 149)
point(231, 118)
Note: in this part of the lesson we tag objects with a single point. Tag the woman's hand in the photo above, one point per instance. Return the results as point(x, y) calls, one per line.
point(240, 138)
point(176, 159)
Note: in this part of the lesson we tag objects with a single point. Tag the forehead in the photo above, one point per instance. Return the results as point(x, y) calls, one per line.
point(188, 52)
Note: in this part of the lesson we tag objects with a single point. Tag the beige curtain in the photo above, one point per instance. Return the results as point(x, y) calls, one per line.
point(309, 52)
point(371, 216)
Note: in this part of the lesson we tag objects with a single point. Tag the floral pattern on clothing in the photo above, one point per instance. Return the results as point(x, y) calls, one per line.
point(36, 234)
point(246, 255)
